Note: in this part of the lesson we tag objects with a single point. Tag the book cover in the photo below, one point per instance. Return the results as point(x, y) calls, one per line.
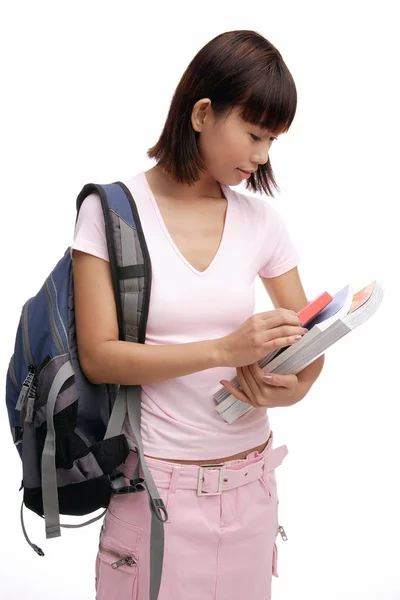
point(307, 314)
point(339, 306)
point(361, 297)
point(345, 312)
point(313, 308)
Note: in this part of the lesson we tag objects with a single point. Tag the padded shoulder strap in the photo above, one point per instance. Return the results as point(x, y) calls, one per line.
point(131, 274)
point(129, 257)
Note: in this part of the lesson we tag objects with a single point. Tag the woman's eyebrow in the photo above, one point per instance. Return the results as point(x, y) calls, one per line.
point(267, 132)
point(270, 132)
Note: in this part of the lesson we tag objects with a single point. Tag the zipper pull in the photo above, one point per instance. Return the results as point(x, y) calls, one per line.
point(127, 560)
point(283, 533)
point(30, 403)
point(26, 388)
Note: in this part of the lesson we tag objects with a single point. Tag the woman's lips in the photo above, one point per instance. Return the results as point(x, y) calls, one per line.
point(244, 174)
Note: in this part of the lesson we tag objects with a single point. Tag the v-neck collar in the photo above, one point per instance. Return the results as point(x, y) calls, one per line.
point(226, 191)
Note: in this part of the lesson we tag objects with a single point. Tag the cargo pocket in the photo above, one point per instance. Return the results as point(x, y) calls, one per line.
point(117, 561)
point(117, 572)
point(268, 481)
point(284, 537)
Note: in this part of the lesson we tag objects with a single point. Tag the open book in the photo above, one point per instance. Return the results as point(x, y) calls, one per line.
point(345, 312)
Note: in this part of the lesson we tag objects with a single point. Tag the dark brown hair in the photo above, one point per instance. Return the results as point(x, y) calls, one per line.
point(235, 69)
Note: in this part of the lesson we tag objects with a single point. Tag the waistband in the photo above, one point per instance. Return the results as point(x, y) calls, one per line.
point(211, 480)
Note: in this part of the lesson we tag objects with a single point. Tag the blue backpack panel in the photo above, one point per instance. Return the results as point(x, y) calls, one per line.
point(67, 430)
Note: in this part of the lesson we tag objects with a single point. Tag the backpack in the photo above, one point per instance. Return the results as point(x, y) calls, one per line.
point(67, 430)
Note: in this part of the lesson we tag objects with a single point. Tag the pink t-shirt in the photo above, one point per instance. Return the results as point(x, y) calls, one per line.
point(179, 420)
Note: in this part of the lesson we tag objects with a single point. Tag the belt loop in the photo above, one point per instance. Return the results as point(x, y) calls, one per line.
point(173, 483)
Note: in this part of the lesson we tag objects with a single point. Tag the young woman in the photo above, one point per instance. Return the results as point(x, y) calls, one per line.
point(207, 246)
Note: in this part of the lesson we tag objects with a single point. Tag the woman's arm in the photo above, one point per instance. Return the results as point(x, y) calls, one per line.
point(308, 376)
point(106, 359)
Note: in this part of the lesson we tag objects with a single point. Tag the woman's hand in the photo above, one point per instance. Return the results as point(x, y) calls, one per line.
point(279, 390)
point(259, 335)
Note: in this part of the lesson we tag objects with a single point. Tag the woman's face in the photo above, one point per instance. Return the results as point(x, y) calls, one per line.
point(229, 145)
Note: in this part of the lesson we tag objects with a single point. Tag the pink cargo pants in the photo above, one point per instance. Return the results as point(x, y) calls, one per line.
point(217, 547)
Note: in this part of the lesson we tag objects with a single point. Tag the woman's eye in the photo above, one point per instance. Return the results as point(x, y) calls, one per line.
point(258, 139)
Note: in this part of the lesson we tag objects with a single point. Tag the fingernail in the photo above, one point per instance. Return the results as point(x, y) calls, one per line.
point(267, 377)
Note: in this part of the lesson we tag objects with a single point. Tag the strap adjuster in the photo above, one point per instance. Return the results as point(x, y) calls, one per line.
point(17, 433)
point(136, 485)
point(200, 482)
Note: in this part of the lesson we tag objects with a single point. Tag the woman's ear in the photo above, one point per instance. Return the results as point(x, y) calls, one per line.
point(200, 112)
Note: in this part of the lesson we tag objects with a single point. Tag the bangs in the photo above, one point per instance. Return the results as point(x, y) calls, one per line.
point(236, 70)
point(271, 102)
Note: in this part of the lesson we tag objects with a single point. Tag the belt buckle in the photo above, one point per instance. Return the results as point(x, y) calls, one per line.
point(201, 480)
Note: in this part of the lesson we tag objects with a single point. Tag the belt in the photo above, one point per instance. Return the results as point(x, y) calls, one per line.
point(212, 480)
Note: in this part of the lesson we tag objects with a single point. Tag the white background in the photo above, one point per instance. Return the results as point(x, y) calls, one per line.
point(85, 89)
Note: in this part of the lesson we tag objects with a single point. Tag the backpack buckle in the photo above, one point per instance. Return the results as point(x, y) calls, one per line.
point(17, 434)
point(200, 481)
point(136, 485)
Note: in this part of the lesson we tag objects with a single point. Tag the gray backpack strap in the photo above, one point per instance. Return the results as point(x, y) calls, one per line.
point(49, 478)
point(132, 284)
point(129, 257)
point(129, 399)
point(158, 511)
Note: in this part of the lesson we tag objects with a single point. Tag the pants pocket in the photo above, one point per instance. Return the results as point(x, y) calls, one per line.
point(117, 561)
point(116, 572)
point(268, 481)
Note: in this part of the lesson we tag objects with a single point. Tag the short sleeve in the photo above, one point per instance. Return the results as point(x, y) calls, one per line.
point(279, 254)
point(90, 231)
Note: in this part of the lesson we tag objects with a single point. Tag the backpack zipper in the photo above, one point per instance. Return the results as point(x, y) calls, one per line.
point(128, 560)
point(12, 373)
point(30, 402)
point(29, 382)
point(26, 346)
point(58, 311)
point(26, 388)
point(54, 329)
point(27, 393)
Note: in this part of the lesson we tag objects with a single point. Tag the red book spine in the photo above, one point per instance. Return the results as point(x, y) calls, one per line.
point(314, 307)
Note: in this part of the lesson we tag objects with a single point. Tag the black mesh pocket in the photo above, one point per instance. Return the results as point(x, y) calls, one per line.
point(68, 444)
point(111, 453)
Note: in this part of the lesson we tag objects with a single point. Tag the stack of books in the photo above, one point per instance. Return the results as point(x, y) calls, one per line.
point(327, 318)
